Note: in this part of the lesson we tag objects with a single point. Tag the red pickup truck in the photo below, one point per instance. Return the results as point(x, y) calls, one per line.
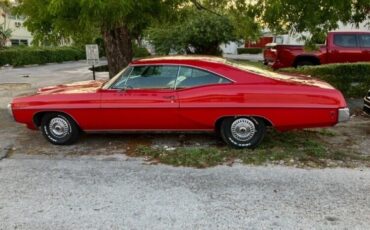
point(340, 47)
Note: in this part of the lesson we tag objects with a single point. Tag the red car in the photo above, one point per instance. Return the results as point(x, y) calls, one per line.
point(340, 47)
point(183, 94)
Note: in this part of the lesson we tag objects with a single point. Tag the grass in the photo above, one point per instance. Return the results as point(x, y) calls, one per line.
point(296, 148)
point(251, 63)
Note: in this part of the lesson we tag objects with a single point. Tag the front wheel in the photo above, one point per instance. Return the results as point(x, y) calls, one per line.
point(59, 129)
point(243, 132)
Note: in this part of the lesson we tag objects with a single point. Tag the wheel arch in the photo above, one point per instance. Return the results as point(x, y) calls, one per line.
point(315, 60)
point(218, 122)
point(37, 117)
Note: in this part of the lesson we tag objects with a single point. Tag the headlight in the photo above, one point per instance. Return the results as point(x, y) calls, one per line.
point(10, 110)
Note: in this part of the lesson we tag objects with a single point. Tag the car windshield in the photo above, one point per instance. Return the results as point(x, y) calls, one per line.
point(120, 76)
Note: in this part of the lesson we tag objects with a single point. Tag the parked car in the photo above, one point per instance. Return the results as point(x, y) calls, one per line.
point(340, 47)
point(367, 103)
point(183, 94)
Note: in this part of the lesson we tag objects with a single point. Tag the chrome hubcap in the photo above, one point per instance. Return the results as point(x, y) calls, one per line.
point(243, 129)
point(59, 127)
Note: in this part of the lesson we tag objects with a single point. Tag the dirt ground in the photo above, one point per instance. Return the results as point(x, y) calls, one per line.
point(15, 139)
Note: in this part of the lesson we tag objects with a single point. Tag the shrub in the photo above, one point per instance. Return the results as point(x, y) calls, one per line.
point(353, 79)
point(19, 56)
point(249, 50)
point(140, 51)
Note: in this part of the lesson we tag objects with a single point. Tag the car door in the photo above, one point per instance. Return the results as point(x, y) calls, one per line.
point(344, 49)
point(142, 99)
point(202, 96)
point(364, 41)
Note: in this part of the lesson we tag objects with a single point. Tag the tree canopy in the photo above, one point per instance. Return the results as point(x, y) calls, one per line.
point(316, 17)
point(116, 21)
point(201, 33)
point(192, 26)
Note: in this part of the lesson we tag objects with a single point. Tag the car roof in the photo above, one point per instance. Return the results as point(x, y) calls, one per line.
point(350, 32)
point(179, 59)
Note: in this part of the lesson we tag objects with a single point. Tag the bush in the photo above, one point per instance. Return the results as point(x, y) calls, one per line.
point(140, 51)
point(19, 56)
point(249, 50)
point(353, 79)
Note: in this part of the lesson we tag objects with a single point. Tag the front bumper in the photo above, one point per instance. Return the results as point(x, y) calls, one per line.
point(343, 115)
point(10, 110)
point(367, 104)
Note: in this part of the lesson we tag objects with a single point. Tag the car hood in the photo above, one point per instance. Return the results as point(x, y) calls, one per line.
point(72, 88)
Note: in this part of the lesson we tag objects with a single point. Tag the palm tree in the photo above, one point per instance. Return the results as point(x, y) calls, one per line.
point(4, 32)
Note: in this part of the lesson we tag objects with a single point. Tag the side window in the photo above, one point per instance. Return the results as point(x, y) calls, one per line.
point(191, 77)
point(364, 40)
point(152, 77)
point(345, 40)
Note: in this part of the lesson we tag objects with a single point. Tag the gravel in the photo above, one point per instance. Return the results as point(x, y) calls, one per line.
point(119, 192)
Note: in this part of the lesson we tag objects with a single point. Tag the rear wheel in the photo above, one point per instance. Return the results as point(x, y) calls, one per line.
point(243, 132)
point(59, 129)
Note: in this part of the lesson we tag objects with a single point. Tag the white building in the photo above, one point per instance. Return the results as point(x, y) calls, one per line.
point(19, 34)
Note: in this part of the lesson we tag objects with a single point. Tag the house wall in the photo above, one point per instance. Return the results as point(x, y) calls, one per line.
point(15, 24)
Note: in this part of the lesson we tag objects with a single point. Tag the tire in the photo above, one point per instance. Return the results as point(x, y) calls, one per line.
point(243, 132)
point(304, 63)
point(59, 129)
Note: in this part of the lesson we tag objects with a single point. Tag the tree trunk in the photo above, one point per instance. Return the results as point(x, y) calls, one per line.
point(118, 49)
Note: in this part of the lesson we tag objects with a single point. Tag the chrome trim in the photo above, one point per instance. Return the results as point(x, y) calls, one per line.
point(367, 99)
point(151, 131)
point(243, 129)
point(187, 65)
point(343, 115)
point(10, 110)
point(59, 127)
point(367, 102)
point(177, 77)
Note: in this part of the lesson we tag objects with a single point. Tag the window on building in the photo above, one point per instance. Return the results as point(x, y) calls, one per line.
point(16, 17)
point(24, 42)
point(15, 42)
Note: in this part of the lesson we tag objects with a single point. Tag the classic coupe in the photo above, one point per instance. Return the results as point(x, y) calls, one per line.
point(183, 94)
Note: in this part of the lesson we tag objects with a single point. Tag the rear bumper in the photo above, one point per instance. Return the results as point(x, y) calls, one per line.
point(343, 115)
point(367, 104)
